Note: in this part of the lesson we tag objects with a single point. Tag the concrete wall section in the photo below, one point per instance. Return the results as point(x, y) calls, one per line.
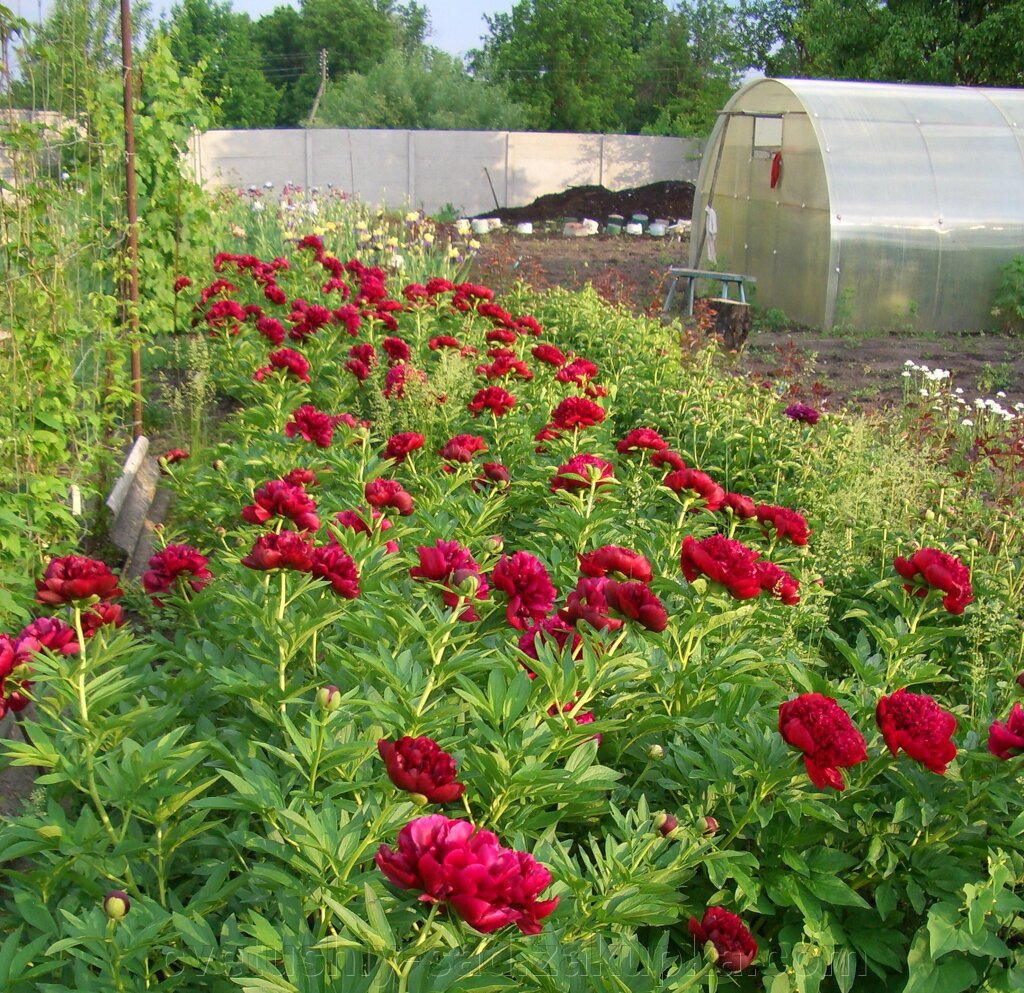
point(431, 169)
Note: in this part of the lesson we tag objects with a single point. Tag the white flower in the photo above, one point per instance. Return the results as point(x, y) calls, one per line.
point(909, 363)
point(967, 423)
point(906, 374)
point(1001, 395)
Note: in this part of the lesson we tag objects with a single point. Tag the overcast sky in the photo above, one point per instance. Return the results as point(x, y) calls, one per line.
point(456, 25)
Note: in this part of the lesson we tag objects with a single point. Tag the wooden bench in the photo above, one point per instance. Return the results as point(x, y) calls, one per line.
point(727, 279)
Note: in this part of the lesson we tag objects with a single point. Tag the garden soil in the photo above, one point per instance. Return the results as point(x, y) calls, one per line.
point(834, 371)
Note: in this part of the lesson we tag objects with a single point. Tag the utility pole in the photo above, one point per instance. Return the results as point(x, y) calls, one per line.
point(320, 91)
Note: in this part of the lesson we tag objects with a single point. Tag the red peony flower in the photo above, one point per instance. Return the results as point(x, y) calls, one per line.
point(1007, 738)
point(45, 632)
point(100, 615)
point(641, 439)
point(931, 568)
point(462, 448)
point(551, 630)
point(724, 560)
point(779, 583)
point(580, 472)
point(548, 354)
point(173, 563)
point(574, 413)
point(311, 425)
point(452, 863)
point(397, 376)
point(692, 482)
point(501, 334)
point(493, 398)
point(381, 493)
point(918, 725)
point(527, 325)
point(733, 943)
point(292, 362)
point(623, 562)
point(740, 505)
point(666, 457)
point(355, 521)
point(280, 499)
point(400, 445)
point(73, 578)
point(787, 523)
point(420, 765)
point(589, 603)
point(493, 474)
point(332, 563)
point(301, 477)
point(579, 371)
point(287, 550)
point(525, 581)
point(801, 412)
point(181, 283)
point(358, 368)
point(396, 350)
point(451, 565)
point(443, 341)
point(823, 731)
point(271, 329)
point(636, 602)
point(173, 456)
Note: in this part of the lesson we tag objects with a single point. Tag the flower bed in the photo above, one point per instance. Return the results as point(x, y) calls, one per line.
point(500, 649)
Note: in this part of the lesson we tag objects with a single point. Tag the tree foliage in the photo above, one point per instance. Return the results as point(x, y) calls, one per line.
point(425, 89)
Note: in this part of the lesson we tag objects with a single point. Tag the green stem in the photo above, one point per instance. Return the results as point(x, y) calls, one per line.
point(83, 705)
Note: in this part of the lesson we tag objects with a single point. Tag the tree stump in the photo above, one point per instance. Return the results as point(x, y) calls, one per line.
point(733, 321)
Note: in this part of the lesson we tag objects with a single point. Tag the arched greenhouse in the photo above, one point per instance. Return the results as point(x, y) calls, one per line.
point(866, 204)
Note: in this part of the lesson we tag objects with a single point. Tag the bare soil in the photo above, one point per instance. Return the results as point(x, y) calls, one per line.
point(835, 371)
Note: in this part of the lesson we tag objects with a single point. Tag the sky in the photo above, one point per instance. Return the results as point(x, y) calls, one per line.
point(456, 25)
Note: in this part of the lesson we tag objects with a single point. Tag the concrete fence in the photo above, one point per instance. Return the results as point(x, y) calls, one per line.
point(474, 171)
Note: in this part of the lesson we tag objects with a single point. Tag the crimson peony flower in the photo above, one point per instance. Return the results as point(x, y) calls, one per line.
point(918, 725)
point(504, 335)
point(420, 765)
point(271, 329)
point(787, 523)
point(275, 294)
point(779, 583)
point(355, 521)
point(100, 615)
point(733, 943)
point(801, 412)
point(494, 398)
point(553, 631)
point(173, 563)
point(287, 550)
point(73, 578)
point(589, 603)
point(724, 560)
point(582, 471)
point(579, 371)
point(359, 369)
point(466, 870)
point(331, 562)
point(400, 445)
point(462, 448)
point(443, 341)
point(688, 482)
point(548, 354)
point(50, 633)
point(931, 568)
point(823, 731)
point(181, 283)
point(396, 350)
point(1007, 738)
point(382, 493)
point(525, 581)
point(636, 602)
point(173, 456)
point(623, 562)
point(451, 565)
point(292, 362)
point(397, 376)
point(505, 365)
point(641, 439)
point(527, 325)
point(740, 505)
point(493, 474)
point(301, 477)
point(574, 413)
point(310, 424)
point(666, 457)
point(281, 499)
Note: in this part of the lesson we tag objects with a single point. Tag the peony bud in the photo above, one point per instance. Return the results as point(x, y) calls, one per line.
point(419, 799)
point(655, 752)
point(218, 465)
point(328, 698)
point(711, 955)
point(465, 582)
point(495, 544)
point(665, 823)
point(929, 515)
point(116, 904)
point(710, 826)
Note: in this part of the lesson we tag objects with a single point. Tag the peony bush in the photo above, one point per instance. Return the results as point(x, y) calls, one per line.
point(500, 646)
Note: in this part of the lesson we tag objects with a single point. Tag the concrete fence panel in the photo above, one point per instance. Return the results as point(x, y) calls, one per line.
point(470, 170)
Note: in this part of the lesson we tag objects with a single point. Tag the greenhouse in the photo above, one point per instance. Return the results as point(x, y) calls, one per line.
point(866, 205)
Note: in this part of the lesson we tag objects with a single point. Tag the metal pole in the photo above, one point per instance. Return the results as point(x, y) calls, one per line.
point(131, 306)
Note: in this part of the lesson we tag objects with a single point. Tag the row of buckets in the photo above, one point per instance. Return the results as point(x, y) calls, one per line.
point(638, 224)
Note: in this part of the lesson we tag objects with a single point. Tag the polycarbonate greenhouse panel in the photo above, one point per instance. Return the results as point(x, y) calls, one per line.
point(895, 205)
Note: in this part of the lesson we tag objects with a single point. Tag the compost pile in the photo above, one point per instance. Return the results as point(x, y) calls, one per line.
point(668, 199)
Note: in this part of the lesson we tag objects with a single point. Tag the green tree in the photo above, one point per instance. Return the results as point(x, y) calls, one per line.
point(571, 62)
point(211, 40)
point(424, 89)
